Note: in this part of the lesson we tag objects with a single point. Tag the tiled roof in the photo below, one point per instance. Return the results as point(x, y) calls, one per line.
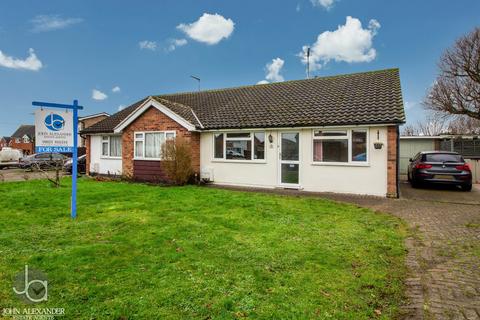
point(362, 98)
point(25, 129)
point(100, 114)
point(108, 124)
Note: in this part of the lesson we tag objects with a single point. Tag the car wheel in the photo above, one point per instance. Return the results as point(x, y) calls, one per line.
point(408, 177)
point(414, 183)
point(467, 187)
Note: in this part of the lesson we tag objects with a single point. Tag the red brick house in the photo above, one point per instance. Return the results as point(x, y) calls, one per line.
point(24, 139)
point(336, 134)
point(4, 142)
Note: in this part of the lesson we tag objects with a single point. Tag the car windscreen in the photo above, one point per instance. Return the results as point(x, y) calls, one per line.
point(443, 157)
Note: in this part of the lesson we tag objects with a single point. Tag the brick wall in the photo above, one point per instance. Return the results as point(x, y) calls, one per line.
point(88, 153)
point(392, 158)
point(27, 148)
point(154, 120)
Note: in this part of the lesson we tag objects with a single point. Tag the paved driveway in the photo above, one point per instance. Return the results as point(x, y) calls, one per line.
point(443, 248)
point(447, 194)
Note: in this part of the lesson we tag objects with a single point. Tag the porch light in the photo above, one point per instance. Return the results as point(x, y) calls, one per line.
point(270, 138)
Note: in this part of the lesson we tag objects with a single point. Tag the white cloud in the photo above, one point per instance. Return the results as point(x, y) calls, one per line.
point(116, 89)
point(98, 95)
point(298, 8)
point(42, 23)
point(349, 43)
point(121, 107)
point(175, 43)
point(148, 45)
point(327, 4)
point(209, 28)
point(31, 63)
point(273, 70)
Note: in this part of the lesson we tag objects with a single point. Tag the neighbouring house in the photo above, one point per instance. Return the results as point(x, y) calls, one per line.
point(88, 121)
point(328, 134)
point(24, 139)
point(466, 145)
point(4, 142)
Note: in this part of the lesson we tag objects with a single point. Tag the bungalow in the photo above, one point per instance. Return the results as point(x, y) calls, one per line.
point(88, 121)
point(328, 134)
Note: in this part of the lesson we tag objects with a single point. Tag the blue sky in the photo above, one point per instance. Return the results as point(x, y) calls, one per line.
point(81, 46)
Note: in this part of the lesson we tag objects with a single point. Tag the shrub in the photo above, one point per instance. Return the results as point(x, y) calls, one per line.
point(177, 160)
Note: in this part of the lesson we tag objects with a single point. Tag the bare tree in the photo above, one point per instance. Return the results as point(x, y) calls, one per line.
point(409, 130)
point(55, 165)
point(464, 125)
point(457, 88)
point(434, 125)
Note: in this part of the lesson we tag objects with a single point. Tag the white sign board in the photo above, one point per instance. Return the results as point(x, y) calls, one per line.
point(53, 131)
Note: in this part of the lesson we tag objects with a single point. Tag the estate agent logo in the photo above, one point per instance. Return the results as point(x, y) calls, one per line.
point(54, 122)
point(31, 286)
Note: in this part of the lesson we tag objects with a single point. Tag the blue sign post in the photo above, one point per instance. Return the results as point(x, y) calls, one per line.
point(75, 107)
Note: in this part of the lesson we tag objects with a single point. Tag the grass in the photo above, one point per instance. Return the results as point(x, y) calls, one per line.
point(147, 252)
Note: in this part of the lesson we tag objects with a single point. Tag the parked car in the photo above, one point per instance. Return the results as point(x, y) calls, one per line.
point(440, 167)
point(42, 160)
point(10, 157)
point(81, 165)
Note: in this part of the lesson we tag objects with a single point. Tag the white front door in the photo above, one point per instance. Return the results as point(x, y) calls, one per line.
point(289, 163)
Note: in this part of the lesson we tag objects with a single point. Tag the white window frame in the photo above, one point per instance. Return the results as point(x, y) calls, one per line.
point(102, 141)
point(135, 139)
point(348, 137)
point(252, 141)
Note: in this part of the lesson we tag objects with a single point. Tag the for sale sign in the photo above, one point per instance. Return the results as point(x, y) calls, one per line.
point(53, 131)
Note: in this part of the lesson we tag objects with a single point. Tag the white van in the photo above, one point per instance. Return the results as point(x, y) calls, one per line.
point(10, 157)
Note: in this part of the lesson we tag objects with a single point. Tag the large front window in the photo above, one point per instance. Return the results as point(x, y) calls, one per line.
point(112, 146)
point(148, 145)
point(340, 146)
point(239, 146)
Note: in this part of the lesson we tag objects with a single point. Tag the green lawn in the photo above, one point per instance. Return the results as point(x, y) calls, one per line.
point(147, 252)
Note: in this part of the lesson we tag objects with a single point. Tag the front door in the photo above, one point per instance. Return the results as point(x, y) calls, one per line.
point(289, 158)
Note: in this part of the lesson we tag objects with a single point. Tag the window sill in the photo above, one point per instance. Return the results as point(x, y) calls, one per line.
point(340, 164)
point(148, 159)
point(111, 158)
point(240, 161)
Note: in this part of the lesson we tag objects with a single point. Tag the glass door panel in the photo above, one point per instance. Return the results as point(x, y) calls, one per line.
point(289, 158)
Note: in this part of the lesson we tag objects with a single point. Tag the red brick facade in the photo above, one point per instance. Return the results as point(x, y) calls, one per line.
point(26, 147)
point(392, 162)
point(154, 120)
point(88, 152)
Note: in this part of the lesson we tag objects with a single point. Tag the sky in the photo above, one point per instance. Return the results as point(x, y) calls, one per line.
point(109, 54)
